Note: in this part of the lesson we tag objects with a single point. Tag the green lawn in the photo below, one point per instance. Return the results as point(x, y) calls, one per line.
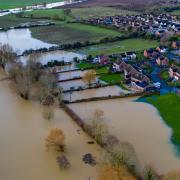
point(165, 75)
point(102, 70)
point(8, 4)
point(176, 12)
point(169, 108)
point(112, 78)
point(72, 32)
point(119, 47)
point(85, 65)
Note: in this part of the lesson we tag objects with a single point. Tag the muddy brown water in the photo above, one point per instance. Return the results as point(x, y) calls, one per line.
point(139, 124)
point(22, 149)
point(98, 92)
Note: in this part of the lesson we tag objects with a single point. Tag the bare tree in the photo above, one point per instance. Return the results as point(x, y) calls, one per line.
point(7, 54)
point(89, 77)
point(55, 140)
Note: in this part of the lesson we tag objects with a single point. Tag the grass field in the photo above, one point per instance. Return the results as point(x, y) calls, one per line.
point(112, 78)
point(176, 12)
point(72, 32)
point(50, 13)
point(119, 47)
point(81, 13)
point(8, 4)
point(169, 108)
point(12, 20)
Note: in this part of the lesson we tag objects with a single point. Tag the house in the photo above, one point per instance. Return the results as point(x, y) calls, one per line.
point(102, 60)
point(119, 66)
point(140, 85)
point(176, 44)
point(131, 55)
point(162, 49)
point(139, 77)
point(174, 72)
point(151, 53)
point(162, 61)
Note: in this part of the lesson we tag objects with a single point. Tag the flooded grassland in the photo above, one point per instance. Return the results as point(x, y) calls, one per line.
point(139, 124)
point(22, 142)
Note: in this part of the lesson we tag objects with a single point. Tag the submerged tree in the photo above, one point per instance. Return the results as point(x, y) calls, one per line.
point(150, 173)
point(55, 140)
point(174, 175)
point(7, 55)
point(48, 113)
point(89, 77)
point(63, 162)
point(115, 173)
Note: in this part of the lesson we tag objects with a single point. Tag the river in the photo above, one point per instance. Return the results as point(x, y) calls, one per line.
point(22, 145)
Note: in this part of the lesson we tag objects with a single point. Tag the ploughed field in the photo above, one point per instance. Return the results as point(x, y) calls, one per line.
point(8, 4)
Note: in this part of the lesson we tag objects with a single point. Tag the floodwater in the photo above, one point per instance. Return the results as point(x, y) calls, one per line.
point(21, 40)
point(22, 148)
point(70, 75)
point(139, 124)
point(58, 55)
point(72, 84)
point(99, 92)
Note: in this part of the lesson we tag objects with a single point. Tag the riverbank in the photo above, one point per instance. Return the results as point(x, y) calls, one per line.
point(22, 133)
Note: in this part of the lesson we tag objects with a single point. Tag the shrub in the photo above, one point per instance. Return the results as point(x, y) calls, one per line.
point(63, 162)
point(150, 173)
point(55, 140)
point(115, 173)
point(48, 114)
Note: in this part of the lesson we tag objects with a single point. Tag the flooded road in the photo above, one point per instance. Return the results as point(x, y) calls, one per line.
point(139, 124)
point(22, 147)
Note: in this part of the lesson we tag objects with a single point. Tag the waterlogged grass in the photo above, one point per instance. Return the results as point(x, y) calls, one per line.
point(169, 108)
point(136, 44)
point(68, 33)
point(12, 20)
point(8, 4)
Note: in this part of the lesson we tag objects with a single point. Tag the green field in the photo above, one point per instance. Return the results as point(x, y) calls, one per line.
point(72, 32)
point(8, 4)
point(169, 108)
point(112, 78)
point(50, 13)
point(12, 20)
point(119, 47)
point(176, 12)
point(81, 13)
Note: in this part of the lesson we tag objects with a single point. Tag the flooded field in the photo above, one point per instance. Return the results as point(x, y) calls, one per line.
point(22, 147)
point(44, 58)
point(70, 75)
point(72, 84)
point(21, 40)
point(139, 124)
point(99, 92)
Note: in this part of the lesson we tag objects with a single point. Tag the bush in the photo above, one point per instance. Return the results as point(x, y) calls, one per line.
point(55, 140)
point(150, 173)
point(63, 162)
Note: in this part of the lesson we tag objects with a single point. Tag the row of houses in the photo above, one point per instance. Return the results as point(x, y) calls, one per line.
point(144, 22)
point(174, 72)
point(132, 75)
